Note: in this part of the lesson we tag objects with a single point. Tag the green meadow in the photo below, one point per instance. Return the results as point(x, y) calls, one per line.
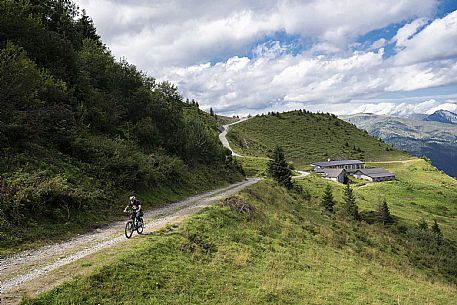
point(287, 251)
point(420, 191)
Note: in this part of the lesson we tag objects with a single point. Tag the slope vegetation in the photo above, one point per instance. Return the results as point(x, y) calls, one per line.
point(284, 250)
point(419, 192)
point(80, 131)
point(308, 137)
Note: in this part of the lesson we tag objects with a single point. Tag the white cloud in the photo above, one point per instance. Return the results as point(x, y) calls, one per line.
point(422, 75)
point(262, 81)
point(211, 49)
point(437, 41)
point(379, 43)
point(407, 31)
point(448, 105)
point(189, 32)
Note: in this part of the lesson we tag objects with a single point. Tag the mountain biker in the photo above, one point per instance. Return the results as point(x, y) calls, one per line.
point(135, 205)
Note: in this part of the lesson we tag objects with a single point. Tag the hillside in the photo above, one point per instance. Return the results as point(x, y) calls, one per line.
point(81, 131)
point(437, 141)
point(285, 251)
point(308, 137)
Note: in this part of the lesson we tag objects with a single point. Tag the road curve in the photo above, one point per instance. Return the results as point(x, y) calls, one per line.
point(34, 265)
point(223, 136)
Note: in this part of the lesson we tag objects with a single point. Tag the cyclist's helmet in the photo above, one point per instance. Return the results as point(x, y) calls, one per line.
point(132, 198)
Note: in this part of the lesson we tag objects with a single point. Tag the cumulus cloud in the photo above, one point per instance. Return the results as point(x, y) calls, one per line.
point(157, 33)
point(407, 31)
point(227, 54)
point(266, 80)
point(437, 41)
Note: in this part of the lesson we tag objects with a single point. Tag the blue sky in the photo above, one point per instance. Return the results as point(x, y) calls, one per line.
point(241, 57)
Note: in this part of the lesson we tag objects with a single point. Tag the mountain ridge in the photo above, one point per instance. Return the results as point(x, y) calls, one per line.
point(442, 116)
point(435, 140)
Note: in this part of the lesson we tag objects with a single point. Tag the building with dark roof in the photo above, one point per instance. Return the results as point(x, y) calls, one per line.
point(334, 174)
point(348, 165)
point(374, 174)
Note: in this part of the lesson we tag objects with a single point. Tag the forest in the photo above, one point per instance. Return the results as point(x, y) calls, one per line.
point(80, 130)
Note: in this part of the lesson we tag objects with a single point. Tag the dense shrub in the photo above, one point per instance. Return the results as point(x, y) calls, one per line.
point(78, 128)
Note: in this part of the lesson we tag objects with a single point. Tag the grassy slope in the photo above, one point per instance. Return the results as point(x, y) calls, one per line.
point(420, 191)
point(287, 252)
point(308, 138)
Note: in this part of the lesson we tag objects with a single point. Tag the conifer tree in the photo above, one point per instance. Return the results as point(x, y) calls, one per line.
point(327, 199)
point(279, 169)
point(87, 28)
point(211, 112)
point(350, 207)
point(383, 212)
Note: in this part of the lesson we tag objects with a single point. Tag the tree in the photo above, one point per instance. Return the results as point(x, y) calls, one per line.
point(87, 29)
point(327, 199)
point(211, 112)
point(202, 145)
point(350, 207)
point(279, 169)
point(382, 211)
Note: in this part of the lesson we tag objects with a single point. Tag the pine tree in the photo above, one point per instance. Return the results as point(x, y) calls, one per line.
point(211, 112)
point(350, 207)
point(327, 199)
point(87, 28)
point(383, 212)
point(279, 169)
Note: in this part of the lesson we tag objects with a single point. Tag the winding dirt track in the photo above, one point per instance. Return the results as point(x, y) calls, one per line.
point(223, 136)
point(35, 271)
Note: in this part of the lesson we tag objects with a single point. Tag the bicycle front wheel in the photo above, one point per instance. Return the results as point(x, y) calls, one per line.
point(129, 228)
point(140, 226)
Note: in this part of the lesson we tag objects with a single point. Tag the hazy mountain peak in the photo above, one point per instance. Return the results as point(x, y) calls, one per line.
point(443, 116)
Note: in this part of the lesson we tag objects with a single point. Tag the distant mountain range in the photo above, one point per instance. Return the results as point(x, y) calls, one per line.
point(442, 116)
point(433, 136)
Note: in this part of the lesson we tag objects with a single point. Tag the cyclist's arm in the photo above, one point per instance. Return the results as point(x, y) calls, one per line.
point(125, 210)
point(139, 207)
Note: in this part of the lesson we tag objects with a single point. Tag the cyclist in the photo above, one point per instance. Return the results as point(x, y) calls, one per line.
point(135, 205)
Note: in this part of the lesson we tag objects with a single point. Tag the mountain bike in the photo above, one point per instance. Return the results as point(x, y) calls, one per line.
point(134, 224)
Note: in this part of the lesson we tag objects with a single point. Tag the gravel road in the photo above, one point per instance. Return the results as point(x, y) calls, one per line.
point(223, 136)
point(33, 265)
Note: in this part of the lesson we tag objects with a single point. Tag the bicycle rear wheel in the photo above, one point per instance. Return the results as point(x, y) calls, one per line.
point(129, 228)
point(140, 226)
